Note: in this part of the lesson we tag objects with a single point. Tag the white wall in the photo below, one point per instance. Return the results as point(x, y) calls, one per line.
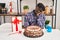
point(30, 3)
point(46, 2)
point(7, 18)
point(7, 4)
point(58, 14)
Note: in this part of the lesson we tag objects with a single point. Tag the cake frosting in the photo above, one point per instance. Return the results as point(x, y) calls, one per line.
point(33, 31)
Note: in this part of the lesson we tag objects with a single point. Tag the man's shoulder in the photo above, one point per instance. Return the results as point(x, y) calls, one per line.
point(29, 13)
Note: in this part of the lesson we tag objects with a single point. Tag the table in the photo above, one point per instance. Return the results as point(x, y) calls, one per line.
point(5, 30)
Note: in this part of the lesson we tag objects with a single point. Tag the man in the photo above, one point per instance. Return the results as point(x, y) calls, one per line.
point(36, 17)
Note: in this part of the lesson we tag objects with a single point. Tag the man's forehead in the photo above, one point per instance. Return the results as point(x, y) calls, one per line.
point(37, 8)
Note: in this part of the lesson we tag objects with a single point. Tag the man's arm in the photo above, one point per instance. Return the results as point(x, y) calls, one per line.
point(44, 17)
point(26, 21)
point(41, 20)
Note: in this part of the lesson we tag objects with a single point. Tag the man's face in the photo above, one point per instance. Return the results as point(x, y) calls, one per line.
point(37, 9)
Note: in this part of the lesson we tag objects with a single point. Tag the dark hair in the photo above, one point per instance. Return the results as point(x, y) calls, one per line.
point(41, 6)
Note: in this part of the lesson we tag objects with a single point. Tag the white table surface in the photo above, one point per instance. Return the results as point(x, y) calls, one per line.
point(5, 31)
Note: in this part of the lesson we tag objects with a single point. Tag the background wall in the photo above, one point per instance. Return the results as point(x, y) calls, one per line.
point(31, 5)
point(7, 4)
point(58, 14)
point(8, 18)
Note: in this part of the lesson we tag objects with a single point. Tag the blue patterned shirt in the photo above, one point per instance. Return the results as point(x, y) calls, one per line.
point(32, 19)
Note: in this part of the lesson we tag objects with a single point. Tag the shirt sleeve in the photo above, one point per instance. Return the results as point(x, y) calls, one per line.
point(26, 22)
point(41, 21)
point(44, 17)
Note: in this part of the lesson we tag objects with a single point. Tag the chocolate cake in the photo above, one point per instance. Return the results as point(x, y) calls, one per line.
point(33, 31)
